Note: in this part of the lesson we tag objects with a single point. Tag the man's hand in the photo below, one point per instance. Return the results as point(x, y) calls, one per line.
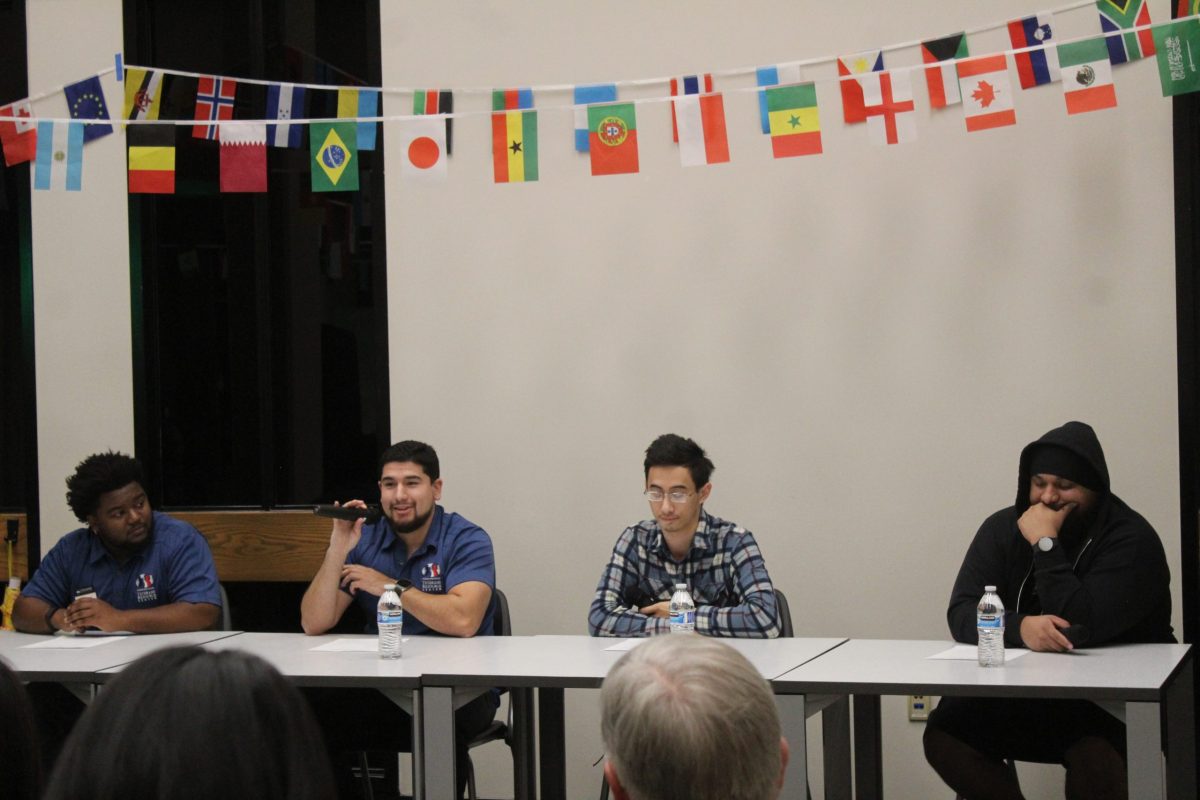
point(356, 577)
point(91, 612)
point(661, 609)
point(1041, 520)
point(345, 534)
point(1042, 634)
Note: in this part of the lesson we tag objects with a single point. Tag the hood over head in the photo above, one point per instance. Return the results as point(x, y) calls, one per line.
point(1071, 451)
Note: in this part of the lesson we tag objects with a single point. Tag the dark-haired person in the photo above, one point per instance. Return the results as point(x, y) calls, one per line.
point(1069, 552)
point(719, 561)
point(149, 572)
point(189, 724)
point(20, 758)
point(446, 571)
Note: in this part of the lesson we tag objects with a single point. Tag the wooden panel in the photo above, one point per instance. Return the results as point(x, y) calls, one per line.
point(263, 545)
point(21, 552)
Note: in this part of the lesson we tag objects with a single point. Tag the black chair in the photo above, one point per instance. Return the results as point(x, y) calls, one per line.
point(226, 614)
point(502, 625)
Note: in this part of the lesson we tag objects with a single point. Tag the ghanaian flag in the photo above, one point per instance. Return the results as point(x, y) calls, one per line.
point(151, 159)
point(515, 146)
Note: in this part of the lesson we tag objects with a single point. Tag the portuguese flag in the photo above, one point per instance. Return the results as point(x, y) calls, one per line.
point(151, 159)
point(612, 139)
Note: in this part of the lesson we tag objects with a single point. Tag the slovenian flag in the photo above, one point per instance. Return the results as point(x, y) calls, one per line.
point(1039, 66)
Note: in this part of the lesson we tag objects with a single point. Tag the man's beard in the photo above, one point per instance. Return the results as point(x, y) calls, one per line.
point(409, 527)
point(1077, 524)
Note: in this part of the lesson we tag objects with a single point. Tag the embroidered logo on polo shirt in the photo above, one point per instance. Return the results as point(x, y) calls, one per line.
point(431, 578)
point(146, 593)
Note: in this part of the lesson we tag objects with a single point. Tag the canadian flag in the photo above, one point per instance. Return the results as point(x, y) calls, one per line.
point(17, 133)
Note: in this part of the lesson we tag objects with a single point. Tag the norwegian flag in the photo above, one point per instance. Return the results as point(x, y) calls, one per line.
point(19, 136)
point(214, 102)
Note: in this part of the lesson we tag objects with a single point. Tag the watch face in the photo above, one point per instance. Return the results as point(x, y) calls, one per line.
point(1045, 544)
point(404, 583)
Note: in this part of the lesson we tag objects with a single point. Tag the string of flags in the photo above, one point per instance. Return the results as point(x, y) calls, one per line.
point(604, 126)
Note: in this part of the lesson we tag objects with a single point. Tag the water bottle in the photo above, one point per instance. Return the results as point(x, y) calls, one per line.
point(989, 621)
point(683, 610)
point(390, 618)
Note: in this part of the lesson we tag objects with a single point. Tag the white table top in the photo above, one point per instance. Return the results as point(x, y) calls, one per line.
point(1134, 672)
point(86, 665)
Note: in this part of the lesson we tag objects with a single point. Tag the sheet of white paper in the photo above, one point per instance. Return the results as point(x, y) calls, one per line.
point(627, 644)
point(969, 652)
point(74, 642)
point(350, 646)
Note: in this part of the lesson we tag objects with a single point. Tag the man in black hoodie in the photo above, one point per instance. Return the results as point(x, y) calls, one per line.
point(1074, 566)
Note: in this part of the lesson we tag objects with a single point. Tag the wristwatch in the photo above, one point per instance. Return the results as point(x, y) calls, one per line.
point(403, 584)
point(1046, 544)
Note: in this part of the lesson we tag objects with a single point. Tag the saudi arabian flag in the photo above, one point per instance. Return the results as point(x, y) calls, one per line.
point(1178, 55)
point(334, 148)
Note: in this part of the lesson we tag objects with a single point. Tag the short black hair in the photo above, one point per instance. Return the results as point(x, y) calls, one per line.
point(672, 450)
point(187, 722)
point(419, 453)
point(99, 474)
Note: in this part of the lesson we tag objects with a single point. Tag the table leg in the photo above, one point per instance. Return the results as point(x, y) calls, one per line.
point(524, 761)
point(418, 749)
point(792, 720)
point(868, 747)
point(552, 742)
point(1180, 709)
point(835, 739)
point(437, 726)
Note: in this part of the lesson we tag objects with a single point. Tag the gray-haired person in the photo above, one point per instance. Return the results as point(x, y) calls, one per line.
point(687, 716)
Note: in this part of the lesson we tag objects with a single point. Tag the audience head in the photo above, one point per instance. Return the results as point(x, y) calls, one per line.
point(418, 453)
point(20, 762)
point(671, 450)
point(686, 716)
point(97, 475)
point(186, 724)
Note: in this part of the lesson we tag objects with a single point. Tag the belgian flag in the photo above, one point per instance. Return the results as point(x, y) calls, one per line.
point(151, 159)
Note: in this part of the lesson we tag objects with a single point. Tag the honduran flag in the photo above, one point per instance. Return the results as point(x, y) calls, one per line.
point(584, 97)
point(701, 126)
point(1087, 76)
point(1039, 66)
point(688, 84)
point(942, 78)
point(285, 101)
point(853, 109)
point(774, 76)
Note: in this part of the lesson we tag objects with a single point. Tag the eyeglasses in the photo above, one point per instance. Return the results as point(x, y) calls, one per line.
point(677, 496)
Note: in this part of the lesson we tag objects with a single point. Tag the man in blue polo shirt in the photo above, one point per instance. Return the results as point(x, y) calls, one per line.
point(446, 571)
point(146, 572)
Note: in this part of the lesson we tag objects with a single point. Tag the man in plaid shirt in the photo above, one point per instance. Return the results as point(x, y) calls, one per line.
point(718, 560)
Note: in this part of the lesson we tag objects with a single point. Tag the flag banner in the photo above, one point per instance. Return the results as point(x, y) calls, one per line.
point(333, 149)
point(424, 150)
point(852, 90)
point(151, 159)
point(244, 157)
point(586, 96)
point(434, 101)
point(612, 139)
point(1086, 76)
point(511, 99)
point(986, 92)
point(1177, 46)
point(688, 84)
point(774, 76)
point(702, 137)
point(85, 99)
point(942, 79)
point(143, 94)
point(888, 102)
point(215, 97)
point(795, 126)
point(360, 103)
point(285, 101)
point(1117, 15)
point(1185, 8)
point(119, 63)
point(18, 135)
point(514, 146)
point(1034, 67)
point(59, 163)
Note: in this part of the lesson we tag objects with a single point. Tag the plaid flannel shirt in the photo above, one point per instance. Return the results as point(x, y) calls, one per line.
point(724, 571)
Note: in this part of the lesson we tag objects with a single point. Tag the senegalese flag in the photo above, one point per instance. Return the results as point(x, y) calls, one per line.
point(514, 146)
point(1116, 15)
point(151, 158)
point(435, 101)
point(1086, 76)
point(612, 138)
point(795, 126)
point(511, 99)
point(1178, 46)
point(143, 93)
point(334, 149)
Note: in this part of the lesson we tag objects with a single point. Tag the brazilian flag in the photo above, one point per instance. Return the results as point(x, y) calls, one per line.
point(334, 148)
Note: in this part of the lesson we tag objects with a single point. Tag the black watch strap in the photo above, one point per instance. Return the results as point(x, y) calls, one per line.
point(403, 585)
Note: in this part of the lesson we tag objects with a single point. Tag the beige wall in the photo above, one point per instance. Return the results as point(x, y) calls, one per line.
point(863, 340)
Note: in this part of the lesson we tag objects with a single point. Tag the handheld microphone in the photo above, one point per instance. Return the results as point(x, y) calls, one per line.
point(351, 513)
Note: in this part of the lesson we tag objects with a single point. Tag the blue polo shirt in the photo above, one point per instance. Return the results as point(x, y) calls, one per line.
point(455, 551)
point(174, 566)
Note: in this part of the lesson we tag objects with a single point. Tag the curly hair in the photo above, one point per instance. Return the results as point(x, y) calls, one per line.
point(96, 475)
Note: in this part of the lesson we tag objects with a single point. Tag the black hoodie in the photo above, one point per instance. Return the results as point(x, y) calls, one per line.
point(1112, 578)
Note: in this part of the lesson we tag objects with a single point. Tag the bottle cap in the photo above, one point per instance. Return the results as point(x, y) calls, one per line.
point(14, 582)
point(682, 586)
point(989, 588)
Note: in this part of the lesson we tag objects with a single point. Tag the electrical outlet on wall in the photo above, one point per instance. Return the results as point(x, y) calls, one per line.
point(918, 707)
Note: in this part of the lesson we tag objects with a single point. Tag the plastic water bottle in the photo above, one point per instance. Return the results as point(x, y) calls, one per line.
point(683, 610)
point(989, 621)
point(390, 618)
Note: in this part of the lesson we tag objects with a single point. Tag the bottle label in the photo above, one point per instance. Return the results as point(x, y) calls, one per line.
point(990, 622)
point(389, 617)
point(683, 618)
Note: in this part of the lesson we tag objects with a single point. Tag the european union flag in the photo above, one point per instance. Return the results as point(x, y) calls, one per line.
point(86, 101)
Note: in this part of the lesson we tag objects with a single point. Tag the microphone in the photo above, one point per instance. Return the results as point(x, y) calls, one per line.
point(351, 513)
